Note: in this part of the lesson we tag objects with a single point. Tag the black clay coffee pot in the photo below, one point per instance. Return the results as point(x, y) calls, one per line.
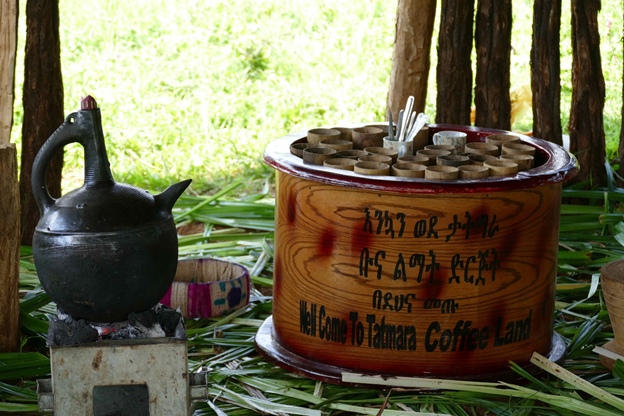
point(106, 249)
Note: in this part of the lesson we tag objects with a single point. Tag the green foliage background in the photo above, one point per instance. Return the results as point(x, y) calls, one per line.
point(198, 88)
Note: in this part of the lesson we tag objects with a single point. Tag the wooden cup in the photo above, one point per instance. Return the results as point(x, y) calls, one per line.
point(422, 138)
point(612, 280)
point(477, 159)
point(372, 168)
point(297, 148)
point(501, 167)
point(383, 151)
point(433, 154)
point(341, 163)
point(525, 162)
point(473, 172)
point(418, 159)
point(515, 148)
point(452, 160)
point(383, 126)
point(367, 137)
point(375, 158)
point(317, 155)
point(408, 170)
point(316, 136)
point(351, 154)
point(499, 139)
point(441, 173)
point(337, 144)
point(440, 147)
point(345, 133)
point(482, 148)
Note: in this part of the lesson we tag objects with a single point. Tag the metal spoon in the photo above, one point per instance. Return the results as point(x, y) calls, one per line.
point(408, 112)
point(399, 125)
point(410, 125)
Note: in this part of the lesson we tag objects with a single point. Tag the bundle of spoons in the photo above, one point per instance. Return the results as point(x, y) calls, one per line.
point(408, 124)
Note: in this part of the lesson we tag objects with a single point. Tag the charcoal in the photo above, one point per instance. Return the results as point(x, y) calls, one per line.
point(157, 322)
point(146, 318)
point(68, 331)
point(168, 319)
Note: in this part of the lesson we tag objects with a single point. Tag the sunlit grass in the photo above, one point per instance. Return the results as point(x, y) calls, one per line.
point(198, 88)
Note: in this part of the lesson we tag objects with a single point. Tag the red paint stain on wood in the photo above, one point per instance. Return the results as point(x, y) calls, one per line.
point(327, 242)
point(433, 288)
point(291, 208)
point(509, 243)
point(360, 238)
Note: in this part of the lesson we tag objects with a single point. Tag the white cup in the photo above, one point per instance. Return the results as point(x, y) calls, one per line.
point(456, 139)
point(402, 148)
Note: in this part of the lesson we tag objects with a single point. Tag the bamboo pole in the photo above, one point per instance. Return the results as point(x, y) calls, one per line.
point(8, 46)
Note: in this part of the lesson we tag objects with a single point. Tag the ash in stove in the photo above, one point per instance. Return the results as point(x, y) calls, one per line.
point(157, 322)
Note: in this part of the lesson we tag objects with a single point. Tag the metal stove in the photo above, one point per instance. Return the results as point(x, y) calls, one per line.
point(119, 377)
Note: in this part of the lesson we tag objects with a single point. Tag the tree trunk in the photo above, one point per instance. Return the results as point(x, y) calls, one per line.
point(587, 139)
point(410, 59)
point(493, 44)
point(454, 71)
point(9, 250)
point(8, 47)
point(43, 103)
point(545, 70)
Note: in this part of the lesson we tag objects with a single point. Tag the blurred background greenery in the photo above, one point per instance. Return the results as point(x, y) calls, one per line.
point(197, 89)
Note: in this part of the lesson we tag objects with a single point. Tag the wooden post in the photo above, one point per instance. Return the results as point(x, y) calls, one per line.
point(546, 70)
point(586, 126)
point(410, 59)
point(9, 190)
point(43, 104)
point(454, 71)
point(8, 46)
point(9, 250)
point(493, 43)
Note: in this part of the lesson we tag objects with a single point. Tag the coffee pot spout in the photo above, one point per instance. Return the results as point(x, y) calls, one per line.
point(169, 196)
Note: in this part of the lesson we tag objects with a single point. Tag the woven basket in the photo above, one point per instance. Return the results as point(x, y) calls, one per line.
point(204, 288)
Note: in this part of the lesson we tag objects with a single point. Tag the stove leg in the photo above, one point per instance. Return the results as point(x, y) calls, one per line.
point(45, 396)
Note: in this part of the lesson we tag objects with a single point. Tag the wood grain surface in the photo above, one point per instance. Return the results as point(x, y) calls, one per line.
point(8, 46)
point(9, 250)
point(43, 105)
point(446, 284)
point(454, 69)
point(411, 55)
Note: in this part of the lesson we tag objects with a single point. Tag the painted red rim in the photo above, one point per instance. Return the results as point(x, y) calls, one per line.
point(555, 165)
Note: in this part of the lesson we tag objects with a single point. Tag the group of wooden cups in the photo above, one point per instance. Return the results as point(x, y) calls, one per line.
point(499, 155)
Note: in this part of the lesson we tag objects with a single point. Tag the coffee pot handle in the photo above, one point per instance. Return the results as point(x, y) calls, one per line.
point(69, 132)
